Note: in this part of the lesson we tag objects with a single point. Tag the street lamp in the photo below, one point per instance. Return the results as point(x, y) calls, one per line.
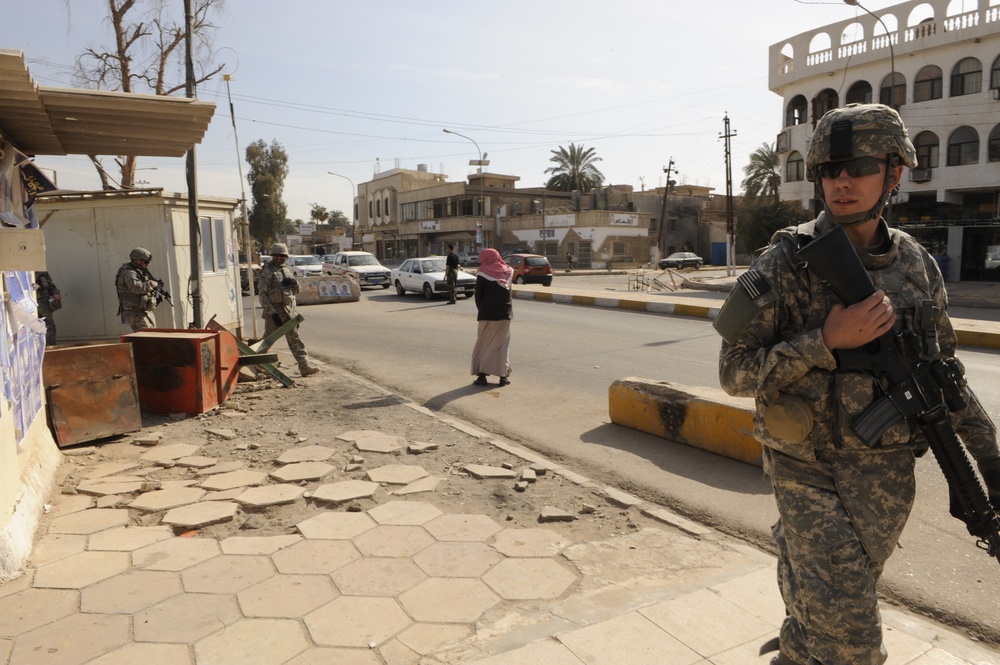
point(481, 162)
point(354, 212)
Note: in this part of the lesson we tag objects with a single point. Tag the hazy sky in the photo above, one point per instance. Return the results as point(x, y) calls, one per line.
point(355, 86)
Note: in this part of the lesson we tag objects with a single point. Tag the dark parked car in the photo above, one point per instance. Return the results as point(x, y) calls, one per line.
point(530, 268)
point(679, 260)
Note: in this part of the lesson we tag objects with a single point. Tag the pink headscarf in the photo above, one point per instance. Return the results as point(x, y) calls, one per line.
point(492, 267)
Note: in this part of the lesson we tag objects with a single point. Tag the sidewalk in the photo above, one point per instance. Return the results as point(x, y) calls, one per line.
point(411, 548)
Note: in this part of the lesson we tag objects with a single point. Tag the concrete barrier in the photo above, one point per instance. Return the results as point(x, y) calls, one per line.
point(703, 418)
point(327, 289)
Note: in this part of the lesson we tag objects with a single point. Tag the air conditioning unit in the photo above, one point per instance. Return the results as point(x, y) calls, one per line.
point(920, 175)
point(783, 142)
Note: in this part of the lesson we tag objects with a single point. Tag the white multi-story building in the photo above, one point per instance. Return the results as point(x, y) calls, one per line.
point(938, 63)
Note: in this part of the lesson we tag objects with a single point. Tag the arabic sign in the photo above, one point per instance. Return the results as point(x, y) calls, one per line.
point(618, 219)
point(559, 220)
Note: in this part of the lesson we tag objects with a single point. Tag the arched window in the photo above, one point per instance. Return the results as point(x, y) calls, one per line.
point(966, 77)
point(995, 74)
point(795, 114)
point(859, 93)
point(378, 207)
point(893, 90)
point(386, 206)
point(993, 147)
point(795, 167)
point(371, 208)
point(928, 84)
point(823, 102)
point(928, 147)
point(963, 147)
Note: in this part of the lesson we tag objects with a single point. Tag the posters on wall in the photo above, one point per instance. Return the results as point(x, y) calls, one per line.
point(23, 335)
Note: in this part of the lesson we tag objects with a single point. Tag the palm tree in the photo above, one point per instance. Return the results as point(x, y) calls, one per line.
point(318, 214)
point(574, 169)
point(763, 173)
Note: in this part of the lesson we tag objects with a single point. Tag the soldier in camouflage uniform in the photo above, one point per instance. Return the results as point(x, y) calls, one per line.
point(48, 297)
point(276, 288)
point(841, 504)
point(136, 287)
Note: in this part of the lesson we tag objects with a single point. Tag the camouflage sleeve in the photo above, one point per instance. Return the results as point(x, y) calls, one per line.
point(764, 360)
point(136, 284)
point(263, 287)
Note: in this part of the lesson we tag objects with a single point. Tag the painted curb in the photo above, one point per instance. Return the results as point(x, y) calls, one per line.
point(698, 417)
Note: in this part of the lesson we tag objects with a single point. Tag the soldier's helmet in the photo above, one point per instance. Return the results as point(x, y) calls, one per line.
point(859, 130)
point(279, 249)
point(141, 254)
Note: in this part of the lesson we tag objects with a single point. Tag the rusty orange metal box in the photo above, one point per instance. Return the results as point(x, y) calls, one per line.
point(176, 370)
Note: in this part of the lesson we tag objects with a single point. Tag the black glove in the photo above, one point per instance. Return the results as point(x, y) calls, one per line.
point(277, 320)
point(288, 282)
point(990, 468)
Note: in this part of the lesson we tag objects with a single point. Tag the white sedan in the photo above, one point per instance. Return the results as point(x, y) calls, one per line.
point(305, 265)
point(426, 276)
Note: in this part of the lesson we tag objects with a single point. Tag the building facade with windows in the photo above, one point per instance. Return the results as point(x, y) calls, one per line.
point(938, 63)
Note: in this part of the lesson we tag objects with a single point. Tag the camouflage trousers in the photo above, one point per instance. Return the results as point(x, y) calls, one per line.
point(295, 344)
point(135, 318)
point(452, 280)
point(834, 533)
point(50, 329)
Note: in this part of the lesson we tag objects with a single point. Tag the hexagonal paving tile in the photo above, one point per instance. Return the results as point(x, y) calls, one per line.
point(356, 621)
point(128, 538)
point(404, 512)
point(397, 474)
point(377, 577)
point(457, 559)
point(198, 515)
point(529, 542)
point(269, 495)
point(315, 556)
point(185, 618)
point(329, 525)
point(345, 490)
point(227, 574)
point(462, 527)
point(110, 469)
point(82, 569)
point(167, 499)
point(31, 608)
point(393, 541)
point(89, 521)
point(257, 544)
point(227, 481)
point(287, 596)
point(439, 600)
point(374, 441)
point(306, 454)
point(426, 638)
point(171, 452)
point(529, 579)
point(258, 641)
point(74, 639)
point(146, 652)
point(175, 554)
point(57, 546)
point(299, 471)
point(130, 592)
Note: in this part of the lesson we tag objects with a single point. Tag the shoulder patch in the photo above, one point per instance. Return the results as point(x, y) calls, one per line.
point(751, 294)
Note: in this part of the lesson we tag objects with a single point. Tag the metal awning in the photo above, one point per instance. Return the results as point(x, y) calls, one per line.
point(74, 121)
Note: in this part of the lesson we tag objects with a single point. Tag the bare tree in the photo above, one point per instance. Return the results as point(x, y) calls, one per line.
point(148, 56)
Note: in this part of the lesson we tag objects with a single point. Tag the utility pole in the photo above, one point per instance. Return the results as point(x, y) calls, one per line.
point(194, 228)
point(668, 169)
point(730, 225)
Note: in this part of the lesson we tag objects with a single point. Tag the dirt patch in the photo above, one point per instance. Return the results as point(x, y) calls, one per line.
point(267, 420)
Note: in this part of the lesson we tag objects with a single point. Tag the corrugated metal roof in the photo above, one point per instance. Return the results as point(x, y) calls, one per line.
point(73, 121)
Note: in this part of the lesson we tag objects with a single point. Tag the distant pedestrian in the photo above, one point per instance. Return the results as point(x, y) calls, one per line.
point(49, 299)
point(277, 288)
point(569, 261)
point(137, 290)
point(493, 300)
point(451, 273)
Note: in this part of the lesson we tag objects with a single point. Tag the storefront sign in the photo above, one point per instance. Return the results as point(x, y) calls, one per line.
point(559, 220)
point(618, 219)
point(430, 227)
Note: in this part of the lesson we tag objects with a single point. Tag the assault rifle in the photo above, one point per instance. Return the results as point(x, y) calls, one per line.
point(924, 390)
point(159, 294)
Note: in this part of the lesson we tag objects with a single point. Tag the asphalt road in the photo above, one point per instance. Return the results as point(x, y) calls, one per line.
point(564, 359)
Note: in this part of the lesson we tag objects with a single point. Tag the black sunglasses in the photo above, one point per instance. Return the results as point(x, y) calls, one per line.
point(855, 167)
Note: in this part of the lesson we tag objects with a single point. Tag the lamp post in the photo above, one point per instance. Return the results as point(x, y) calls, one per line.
point(354, 214)
point(481, 162)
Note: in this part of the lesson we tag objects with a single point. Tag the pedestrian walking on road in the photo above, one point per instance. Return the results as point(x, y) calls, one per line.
point(277, 288)
point(493, 300)
point(842, 503)
point(451, 273)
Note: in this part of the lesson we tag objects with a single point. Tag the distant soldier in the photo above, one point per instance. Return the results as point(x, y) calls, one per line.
point(276, 288)
point(49, 299)
point(138, 291)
